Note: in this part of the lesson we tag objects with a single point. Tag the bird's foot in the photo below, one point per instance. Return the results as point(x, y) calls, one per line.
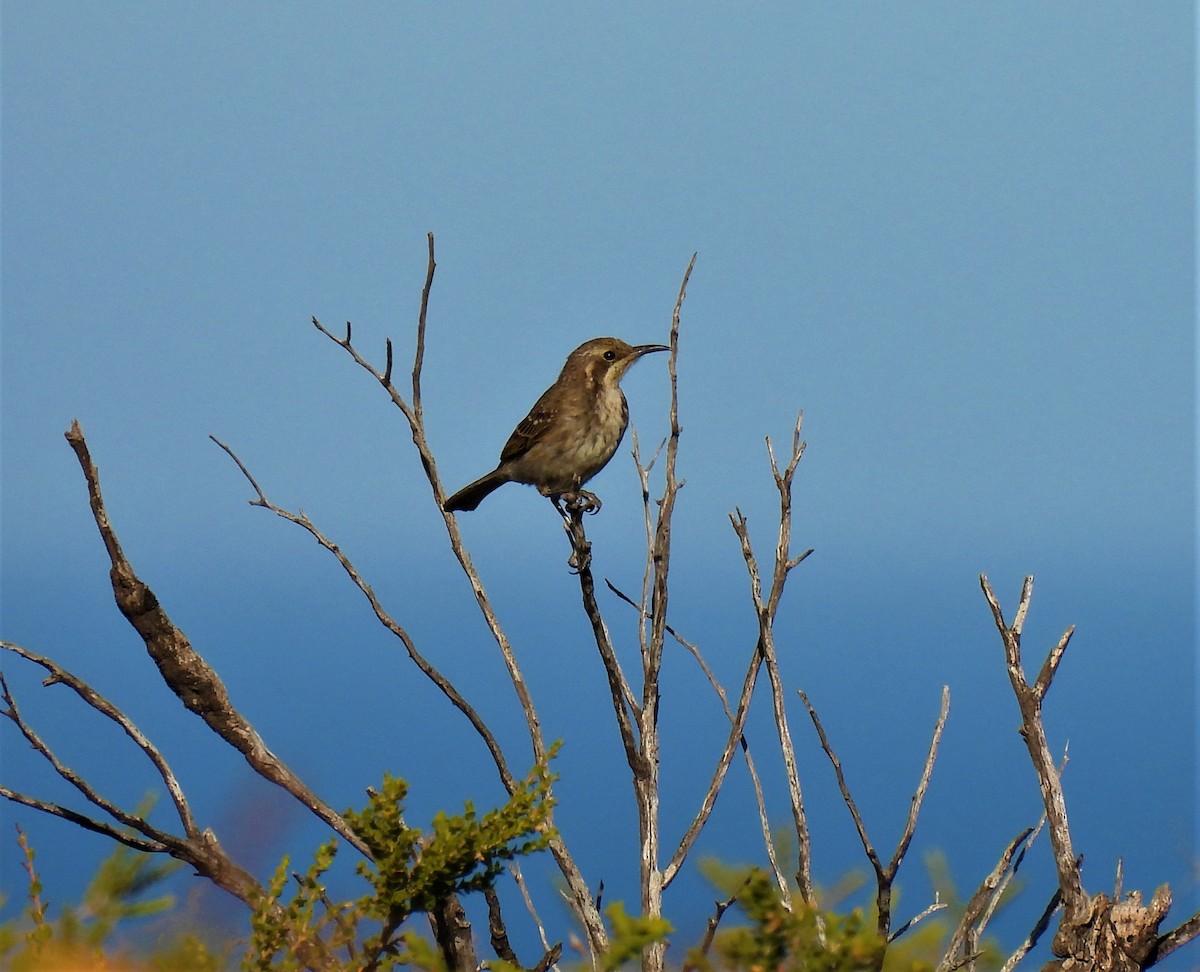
point(580, 501)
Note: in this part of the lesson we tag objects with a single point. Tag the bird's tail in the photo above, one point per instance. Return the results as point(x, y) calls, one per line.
point(471, 496)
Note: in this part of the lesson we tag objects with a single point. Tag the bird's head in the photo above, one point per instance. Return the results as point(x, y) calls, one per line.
point(605, 359)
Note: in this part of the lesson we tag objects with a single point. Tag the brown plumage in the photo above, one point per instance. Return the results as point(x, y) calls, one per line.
point(572, 431)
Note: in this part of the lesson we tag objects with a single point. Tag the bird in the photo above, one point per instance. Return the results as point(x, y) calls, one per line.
point(572, 431)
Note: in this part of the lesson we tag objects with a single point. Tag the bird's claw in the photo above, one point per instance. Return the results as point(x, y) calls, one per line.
point(584, 501)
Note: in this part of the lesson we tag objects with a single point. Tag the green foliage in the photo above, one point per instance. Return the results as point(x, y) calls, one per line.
point(410, 872)
point(777, 939)
point(630, 934)
point(81, 936)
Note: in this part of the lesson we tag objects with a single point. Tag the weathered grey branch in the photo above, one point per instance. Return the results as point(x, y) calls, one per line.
point(938, 905)
point(1036, 933)
point(1095, 931)
point(624, 707)
point(443, 684)
point(710, 928)
point(961, 947)
point(81, 820)
point(581, 897)
point(1174, 940)
point(186, 673)
point(60, 676)
point(710, 797)
point(198, 848)
point(765, 609)
point(885, 876)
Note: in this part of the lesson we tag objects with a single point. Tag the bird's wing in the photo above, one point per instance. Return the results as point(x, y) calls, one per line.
point(531, 428)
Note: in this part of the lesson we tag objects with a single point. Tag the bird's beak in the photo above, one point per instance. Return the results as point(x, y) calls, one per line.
point(648, 349)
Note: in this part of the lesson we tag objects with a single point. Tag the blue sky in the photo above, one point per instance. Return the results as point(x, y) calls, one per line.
point(959, 237)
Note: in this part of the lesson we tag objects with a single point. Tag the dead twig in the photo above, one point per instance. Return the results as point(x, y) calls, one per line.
point(885, 876)
point(186, 673)
point(710, 928)
point(426, 667)
point(736, 721)
point(938, 905)
point(60, 676)
point(581, 898)
point(765, 609)
point(1095, 930)
point(964, 940)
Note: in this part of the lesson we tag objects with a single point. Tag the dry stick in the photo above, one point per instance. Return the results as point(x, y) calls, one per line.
point(497, 930)
point(886, 876)
point(581, 898)
point(984, 902)
point(514, 868)
point(648, 522)
point(200, 849)
point(938, 905)
point(739, 720)
point(87, 823)
point(652, 877)
point(693, 831)
point(1029, 699)
point(710, 929)
point(1176, 939)
point(60, 676)
point(618, 685)
point(432, 673)
point(998, 892)
point(951, 959)
point(765, 610)
point(736, 732)
point(139, 824)
point(187, 674)
point(1036, 933)
point(1126, 932)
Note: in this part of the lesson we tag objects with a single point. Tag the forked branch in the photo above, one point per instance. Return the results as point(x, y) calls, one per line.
point(581, 897)
point(885, 876)
point(1095, 930)
point(765, 609)
point(186, 673)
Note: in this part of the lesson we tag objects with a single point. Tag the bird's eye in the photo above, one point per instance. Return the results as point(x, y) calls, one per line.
point(610, 355)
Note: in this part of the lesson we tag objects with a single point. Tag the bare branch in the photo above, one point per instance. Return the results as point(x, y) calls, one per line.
point(59, 675)
point(432, 673)
point(624, 707)
point(706, 807)
point(918, 797)
point(885, 876)
point(765, 612)
point(514, 868)
point(1029, 700)
point(87, 823)
point(581, 898)
point(846, 796)
point(962, 942)
point(68, 774)
point(419, 356)
point(497, 930)
point(1036, 933)
point(710, 930)
point(1050, 665)
point(918, 918)
point(186, 673)
point(735, 738)
point(1174, 940)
